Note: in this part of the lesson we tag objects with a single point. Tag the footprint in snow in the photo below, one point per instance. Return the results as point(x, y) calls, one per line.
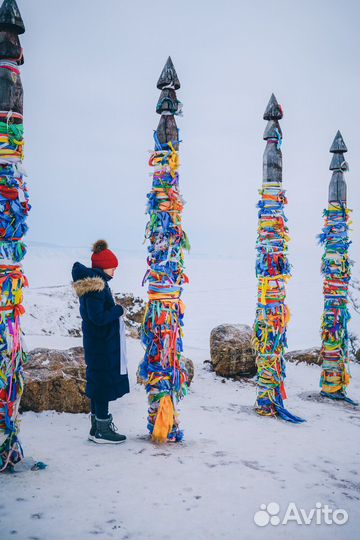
point(38, 515)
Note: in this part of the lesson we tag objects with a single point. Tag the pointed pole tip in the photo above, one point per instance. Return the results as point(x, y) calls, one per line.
point(169, 63)
point(168, 77)
point(338, 135)
point(273, 109)
point(10, 17)
point(338, 145)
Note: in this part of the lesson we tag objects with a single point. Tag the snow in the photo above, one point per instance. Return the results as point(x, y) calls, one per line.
point(51, 311)
point(54, 311)
point(231, 462)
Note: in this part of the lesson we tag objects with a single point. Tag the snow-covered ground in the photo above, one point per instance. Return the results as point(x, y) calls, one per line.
point(231, 462)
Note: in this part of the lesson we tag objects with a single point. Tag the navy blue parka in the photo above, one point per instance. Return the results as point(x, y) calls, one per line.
point(101, 334)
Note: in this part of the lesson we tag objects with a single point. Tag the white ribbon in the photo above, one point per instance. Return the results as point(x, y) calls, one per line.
point(123, 355)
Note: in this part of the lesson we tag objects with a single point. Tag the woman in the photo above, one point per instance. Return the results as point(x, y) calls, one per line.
point(106, 373)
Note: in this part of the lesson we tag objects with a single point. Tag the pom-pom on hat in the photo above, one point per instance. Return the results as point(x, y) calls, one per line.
point(102, 256)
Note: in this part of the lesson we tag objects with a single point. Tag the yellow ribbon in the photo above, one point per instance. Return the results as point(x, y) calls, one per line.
point(164, 420)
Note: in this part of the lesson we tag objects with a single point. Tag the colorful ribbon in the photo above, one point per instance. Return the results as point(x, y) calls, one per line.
point(14, 207)
point(272, 315)
point(336, 269)
point(163, 368)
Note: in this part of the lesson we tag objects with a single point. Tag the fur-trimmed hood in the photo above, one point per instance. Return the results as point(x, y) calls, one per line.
point(87, 280)
point(88, 285)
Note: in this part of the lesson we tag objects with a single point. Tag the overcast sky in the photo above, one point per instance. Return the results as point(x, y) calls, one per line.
point(90, 93)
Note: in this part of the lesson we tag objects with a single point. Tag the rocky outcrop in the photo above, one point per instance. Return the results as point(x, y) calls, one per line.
point(55, 380)
point(55, 311)
point(134, 312)
point(231, 352)
point(306, 356)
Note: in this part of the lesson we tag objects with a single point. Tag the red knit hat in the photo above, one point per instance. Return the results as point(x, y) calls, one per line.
point(103, 257)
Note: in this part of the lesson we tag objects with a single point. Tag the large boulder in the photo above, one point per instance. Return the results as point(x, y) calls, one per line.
point(55, 380)
point(306, 356)
point(231, 352)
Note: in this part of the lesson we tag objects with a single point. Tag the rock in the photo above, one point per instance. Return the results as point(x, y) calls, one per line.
point(139, 379)
point(55, 380)
point(189, 364)
point(308, 356)
point(357, 356)
point(134, 312)
point(231, 350)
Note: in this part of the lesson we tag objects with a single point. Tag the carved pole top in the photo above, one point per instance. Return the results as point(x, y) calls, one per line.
point(273, 110)
point(10, 17)
point(272, 158)
point(337, 186)
point(168, 77)
point(338, 145)
point(338, 148)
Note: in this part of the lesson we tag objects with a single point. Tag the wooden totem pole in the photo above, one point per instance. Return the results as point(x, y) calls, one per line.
point(14, 209)
point(163, 370)
point(336, 269)
point(273, 271)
